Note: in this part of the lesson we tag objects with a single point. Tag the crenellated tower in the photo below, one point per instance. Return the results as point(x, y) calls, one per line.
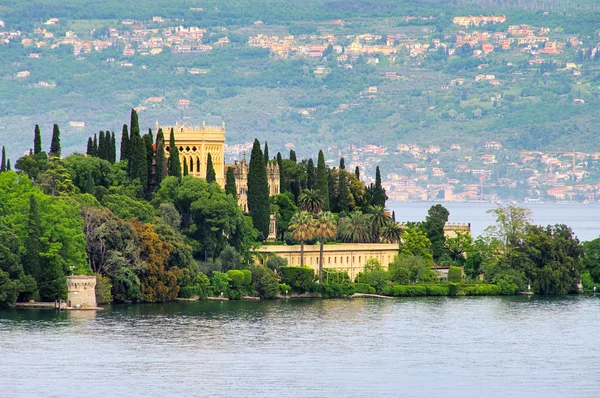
point(195, 143)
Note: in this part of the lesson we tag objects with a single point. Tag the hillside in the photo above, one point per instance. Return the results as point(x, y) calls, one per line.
point(308, 74)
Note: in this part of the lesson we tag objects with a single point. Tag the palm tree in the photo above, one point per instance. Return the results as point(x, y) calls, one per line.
point(390, 232)
point(310, 200)
point(302, 227)
point(379, 218)
point(356, 228)
point(325, 228)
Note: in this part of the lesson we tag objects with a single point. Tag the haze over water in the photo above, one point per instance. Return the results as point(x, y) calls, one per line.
point(457, 347)
point(584, 219)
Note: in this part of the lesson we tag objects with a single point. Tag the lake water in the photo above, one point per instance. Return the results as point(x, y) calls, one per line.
point(584, 219)
point(421, 347)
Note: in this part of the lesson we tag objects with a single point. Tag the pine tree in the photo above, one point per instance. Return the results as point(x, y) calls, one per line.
point(258, 192)
point(379, 196)
point(357, 173)
point(322, 184)
point(281, 174)
point(101, 146)
point(311, 174)
point(266, 153)
point(293, 155)
point(124, 143)
point(3, 164)
point(55, 143)
point(90, 147)
point(37, 140)
point(161, 159)
point(211, 176)
point(185, 169)
point(33, 244)
point(230, 186)
point(174, 164)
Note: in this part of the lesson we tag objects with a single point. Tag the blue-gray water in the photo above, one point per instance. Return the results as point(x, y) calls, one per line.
point(584, 219)
point(425, 347)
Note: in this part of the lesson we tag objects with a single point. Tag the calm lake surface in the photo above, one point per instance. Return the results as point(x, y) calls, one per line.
point(422, 347)
point(584, 219)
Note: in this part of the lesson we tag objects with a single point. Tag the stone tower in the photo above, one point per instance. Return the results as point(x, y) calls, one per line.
point(195, 143)
point(81, 291)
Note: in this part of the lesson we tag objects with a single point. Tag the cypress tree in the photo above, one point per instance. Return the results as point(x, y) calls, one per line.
point(55, 143)
point(311, 174)
point(185, 168)
point(37, 140)
point(344, 191)
point(230, 187)
point(333, 194)
point(33, 245)
point(95, 145)
point(342, 164)
point(211, 176)
point(393, 216)
point(101, 146)
point(125, 143)
point(174, 164)
point(113, 148)
point(90, 147)
point(266, 153)
point(293, 155)
point(148, 142)
point(379, 196)
point(357, 173)
point(137, 154)
point(8, 165)
point(161, 159)
point(3, 164)
point(281, 175)
point(134, 129)
point(322, 183)
point(258, 192)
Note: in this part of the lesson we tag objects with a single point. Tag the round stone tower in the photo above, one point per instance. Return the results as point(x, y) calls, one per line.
point(81, 291)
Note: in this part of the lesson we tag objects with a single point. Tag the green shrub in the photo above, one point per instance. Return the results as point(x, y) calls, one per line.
point(453, 289)
point(190, 292)
point(507, 286)
point(334, 289)
point(265, 282)
point(247, 277)
point(276, 262)
point(284, 288)
point(103, 289)
point(301, 279)
point(409, 290)
point(220, 284)
point(481, 290)
point(237, 278)
point(438, 290)
point(455, 274)
point(364, 288)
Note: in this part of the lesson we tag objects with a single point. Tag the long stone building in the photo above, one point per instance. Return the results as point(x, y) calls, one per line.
point(349, 257)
